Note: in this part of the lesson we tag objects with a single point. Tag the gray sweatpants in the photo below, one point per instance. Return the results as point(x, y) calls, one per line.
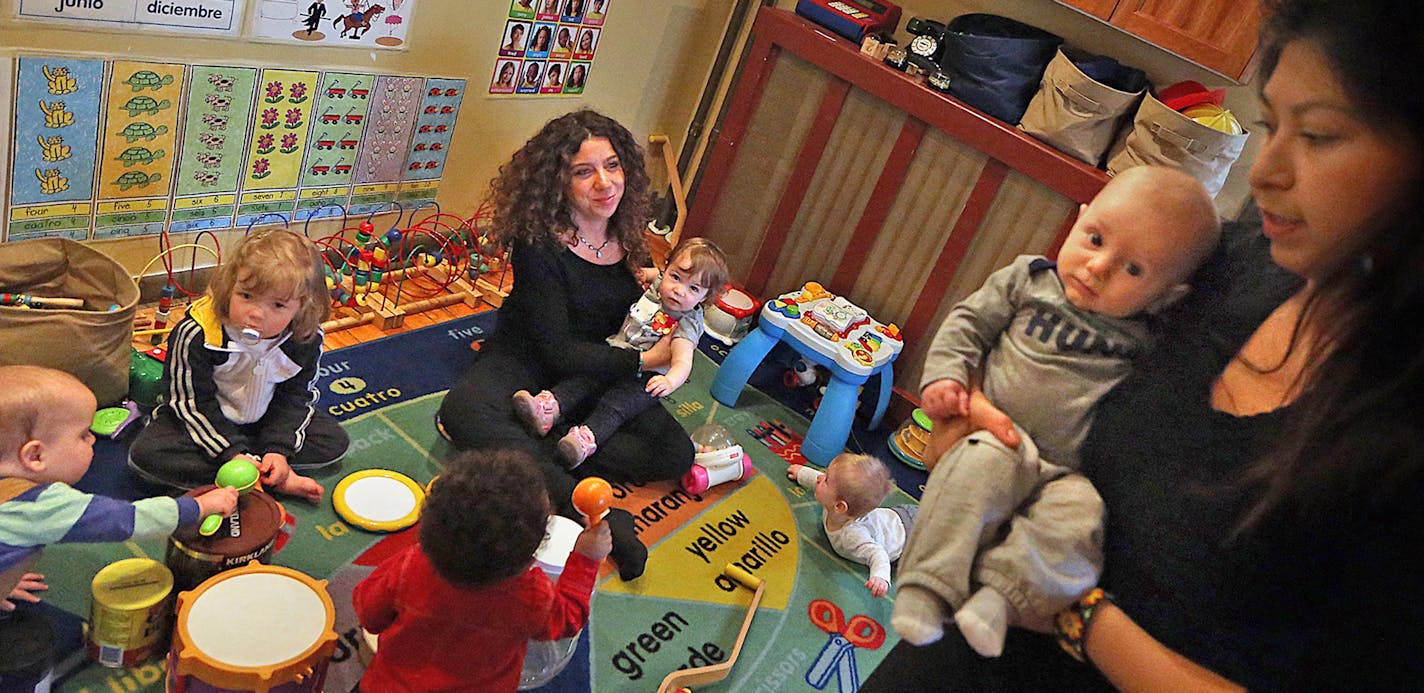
point(991, 515)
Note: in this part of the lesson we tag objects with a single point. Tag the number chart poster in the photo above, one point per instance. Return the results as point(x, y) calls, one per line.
point(136, 154)
point(434, 125)
point(343, 102)
point(219, 104)
point(56, 124)
point(395, 103)
point(275, 149)
point(337, 23)
point(547, 47)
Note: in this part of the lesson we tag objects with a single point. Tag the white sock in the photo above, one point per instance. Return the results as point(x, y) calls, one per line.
point(984, 621)
point(919, 615)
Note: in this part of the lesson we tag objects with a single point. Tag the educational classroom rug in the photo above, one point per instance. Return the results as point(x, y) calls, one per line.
point(817, 628)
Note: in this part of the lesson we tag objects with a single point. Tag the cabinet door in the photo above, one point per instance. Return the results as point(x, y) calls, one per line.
point(1102, 9)
point(1216, 34)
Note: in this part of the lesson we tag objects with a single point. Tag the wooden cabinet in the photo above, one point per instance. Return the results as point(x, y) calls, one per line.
point(1219, 35)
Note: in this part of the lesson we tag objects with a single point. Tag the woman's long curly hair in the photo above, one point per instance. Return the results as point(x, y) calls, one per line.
point(530, 194)
point(1351, 448)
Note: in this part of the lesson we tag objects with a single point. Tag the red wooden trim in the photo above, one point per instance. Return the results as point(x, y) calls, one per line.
point(1062, 234)
point(755, 70)
point(1054, 169)
point(955, 247)
point(878, 207)
point(807, 159)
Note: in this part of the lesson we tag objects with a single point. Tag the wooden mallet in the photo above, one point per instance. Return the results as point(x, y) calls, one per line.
point(713, 673)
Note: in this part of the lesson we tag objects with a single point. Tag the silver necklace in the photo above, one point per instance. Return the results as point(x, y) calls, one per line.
point(597, 249)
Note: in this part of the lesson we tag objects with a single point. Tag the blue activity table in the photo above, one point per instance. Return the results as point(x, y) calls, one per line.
point(829, 331)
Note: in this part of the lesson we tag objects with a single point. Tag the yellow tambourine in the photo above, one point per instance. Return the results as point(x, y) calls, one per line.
point(378, 500)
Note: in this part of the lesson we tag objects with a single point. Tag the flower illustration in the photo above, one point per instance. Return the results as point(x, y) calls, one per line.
point(264, 143)
point(297, 93)
point(294, 118)
point(269, 118)
point(289, 143)
point(274, 92)
point(261, 168)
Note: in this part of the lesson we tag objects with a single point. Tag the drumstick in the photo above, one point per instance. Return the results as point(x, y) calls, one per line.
point(40, 301)
point(713, 673)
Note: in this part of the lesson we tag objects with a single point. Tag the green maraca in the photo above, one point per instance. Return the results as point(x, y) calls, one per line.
point(239, 473)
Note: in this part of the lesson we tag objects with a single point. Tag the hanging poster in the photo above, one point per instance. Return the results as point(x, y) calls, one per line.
point(56, 118)
point(194, 17)
point(429, 146)
point(546, 47)
point(342, 105)
point(395, 103)
point(215, 125)
point(137, 143)
point(339, 23)
point(278, 141)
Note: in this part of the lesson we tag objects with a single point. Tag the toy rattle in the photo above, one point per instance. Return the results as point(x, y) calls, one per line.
point(592, 497)
point(239, 473)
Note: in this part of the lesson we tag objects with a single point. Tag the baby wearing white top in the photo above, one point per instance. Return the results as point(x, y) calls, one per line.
point(851, 490)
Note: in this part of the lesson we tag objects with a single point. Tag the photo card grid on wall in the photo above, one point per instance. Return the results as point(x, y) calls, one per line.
point(547, 46)
point(114, 149)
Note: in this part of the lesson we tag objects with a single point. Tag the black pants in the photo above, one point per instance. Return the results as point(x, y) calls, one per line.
point(615, 402)
point(164, 453)
point(1031, 662)
point(477, 414)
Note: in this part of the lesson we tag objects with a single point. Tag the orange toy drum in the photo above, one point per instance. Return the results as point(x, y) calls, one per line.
point(256, 628)
point(730, 316)
point(194, 558)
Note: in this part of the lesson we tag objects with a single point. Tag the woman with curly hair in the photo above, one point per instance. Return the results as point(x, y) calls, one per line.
point(571, 206)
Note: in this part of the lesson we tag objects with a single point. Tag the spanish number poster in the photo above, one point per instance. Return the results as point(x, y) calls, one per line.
point(547, 46)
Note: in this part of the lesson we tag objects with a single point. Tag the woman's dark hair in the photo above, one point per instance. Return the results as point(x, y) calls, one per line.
point(1350, 448)
point(484, 517)
point(530, 194)
point(541, 38)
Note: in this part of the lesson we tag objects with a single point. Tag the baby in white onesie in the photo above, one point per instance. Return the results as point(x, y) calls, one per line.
point(851, 490)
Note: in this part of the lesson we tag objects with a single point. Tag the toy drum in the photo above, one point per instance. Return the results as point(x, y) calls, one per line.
point(256, 628)
point(730, 317)
point(544, 659)
point(128, 617)
point(250, 534)
point(378, 500)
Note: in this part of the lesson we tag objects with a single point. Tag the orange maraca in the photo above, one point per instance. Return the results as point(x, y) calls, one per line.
point(592, 497)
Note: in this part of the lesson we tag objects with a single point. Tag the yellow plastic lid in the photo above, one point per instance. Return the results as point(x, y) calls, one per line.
point(379, 500)
point(132, 584)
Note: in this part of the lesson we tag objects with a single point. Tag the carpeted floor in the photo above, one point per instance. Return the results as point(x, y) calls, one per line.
point(385, 393)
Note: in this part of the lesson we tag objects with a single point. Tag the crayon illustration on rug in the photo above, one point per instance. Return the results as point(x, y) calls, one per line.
point(817, 626)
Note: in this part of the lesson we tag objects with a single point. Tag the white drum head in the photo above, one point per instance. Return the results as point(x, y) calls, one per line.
point(378, 499)
point(257, 619)
point(559, 535)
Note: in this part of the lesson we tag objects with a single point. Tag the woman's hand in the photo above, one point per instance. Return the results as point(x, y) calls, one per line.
point(983, 416)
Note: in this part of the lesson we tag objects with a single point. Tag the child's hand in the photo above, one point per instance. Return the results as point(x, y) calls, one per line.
point(219, 501)
point(945, 399)
point(646, 276)
point(877, 587)
point(594, 542)
point(794, 469)
point(24, 592)
point(275, 469)
point(660, 386)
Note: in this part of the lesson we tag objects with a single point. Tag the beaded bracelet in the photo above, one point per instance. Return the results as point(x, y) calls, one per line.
point(1071, 624)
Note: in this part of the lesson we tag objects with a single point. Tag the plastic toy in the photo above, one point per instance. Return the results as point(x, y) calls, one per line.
point(802, 373)
point(909, 441)
point(378, 500)
point(719, 459)
point(239, 473)
point(110, 422)
point(592, 497)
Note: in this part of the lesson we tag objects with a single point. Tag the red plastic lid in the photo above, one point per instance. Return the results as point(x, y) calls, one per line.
point(1190, 93)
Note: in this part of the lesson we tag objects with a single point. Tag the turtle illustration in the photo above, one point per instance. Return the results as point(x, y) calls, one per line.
point(139, 155)
point(134, 132)
point(145, 104)
point(148, 79)
point(136, 178)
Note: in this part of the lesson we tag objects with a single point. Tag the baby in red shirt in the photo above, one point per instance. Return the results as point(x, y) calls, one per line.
point(456, 611)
